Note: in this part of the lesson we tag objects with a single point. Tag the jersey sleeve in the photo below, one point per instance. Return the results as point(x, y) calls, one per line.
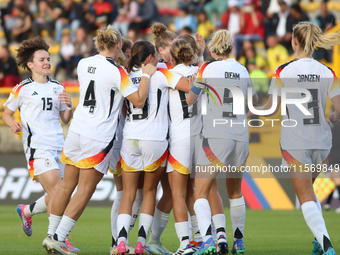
point(276, 82)
point(171, 79)
point(14, 100)
point(334, 88)
point(126, 86)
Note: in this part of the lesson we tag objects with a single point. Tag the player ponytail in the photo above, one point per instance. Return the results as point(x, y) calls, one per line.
point(191, 40)
point(107, 38)
point(163, 37)
point(182, 52)
point(25, 52)
point(221, 42)
point(310, 37)
point(139, 53)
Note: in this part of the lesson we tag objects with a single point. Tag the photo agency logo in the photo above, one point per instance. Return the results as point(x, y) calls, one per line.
point(233, 99)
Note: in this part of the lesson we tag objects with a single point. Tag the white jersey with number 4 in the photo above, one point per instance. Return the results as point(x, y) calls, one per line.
point(102, 86)
point(220, 120)
point(300, 131)
point(185, 119)
point(39, 111)
point(151, 122)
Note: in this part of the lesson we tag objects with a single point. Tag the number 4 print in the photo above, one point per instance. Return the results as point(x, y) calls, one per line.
point(90, 98)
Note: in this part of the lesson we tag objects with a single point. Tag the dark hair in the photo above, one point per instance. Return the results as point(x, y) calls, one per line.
point(139, 52)
point(187, 29)
point(28, 48)
point(126, 44)
point(296, 7)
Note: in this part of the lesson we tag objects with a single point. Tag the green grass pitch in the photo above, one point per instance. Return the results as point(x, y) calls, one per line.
point(266, 232)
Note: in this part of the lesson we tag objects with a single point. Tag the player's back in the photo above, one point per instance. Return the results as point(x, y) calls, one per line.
point(100, 80)
point(302, 131)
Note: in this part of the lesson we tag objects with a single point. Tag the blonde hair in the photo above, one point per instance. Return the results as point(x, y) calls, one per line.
point(310, 37)
point(163, 37)
point(221, 42)
point(181, 51)
point(192, 41)
point(107, 38)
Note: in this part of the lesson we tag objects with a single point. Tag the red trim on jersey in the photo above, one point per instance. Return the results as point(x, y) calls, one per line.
point(15, 91)
point(168, 65)
point(124, 79)
point(168, 75)
point(201, 70)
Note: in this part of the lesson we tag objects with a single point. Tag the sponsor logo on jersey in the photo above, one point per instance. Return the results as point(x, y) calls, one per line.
point(34, 93)
point(55, 91)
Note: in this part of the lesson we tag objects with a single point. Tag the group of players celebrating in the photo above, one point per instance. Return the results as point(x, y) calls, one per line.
point(140, 115)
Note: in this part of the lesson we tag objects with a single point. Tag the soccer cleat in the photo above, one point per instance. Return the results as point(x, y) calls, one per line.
point(140, 249)
point(156, 247)
point(207, 248)
point(112, 248)
point(72, 249)
point(188, 250)
point(26, 221)
point(238, 247)
point(56, 247)
point(317, 249)
point(222, 245)
point(119, 249)
point(330, 251)
point(130, 249)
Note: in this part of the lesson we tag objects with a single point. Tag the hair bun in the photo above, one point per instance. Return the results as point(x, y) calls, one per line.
point(158, 29)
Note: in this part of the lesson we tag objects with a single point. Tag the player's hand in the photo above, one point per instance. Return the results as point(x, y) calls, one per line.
point(201, 43)
point(149, 69)
point(334, 118)
point(192, 79)
point(65, 98)
point(16, 127)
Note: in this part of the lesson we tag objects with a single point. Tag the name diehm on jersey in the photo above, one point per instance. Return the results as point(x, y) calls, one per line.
point(308, 78)
point(231, 75)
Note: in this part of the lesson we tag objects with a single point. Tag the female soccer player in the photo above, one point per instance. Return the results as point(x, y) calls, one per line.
point(144, 144)
point(184, 126)
point(41, 101)
point(222, 145)
point(87, 151)
point(306, 146)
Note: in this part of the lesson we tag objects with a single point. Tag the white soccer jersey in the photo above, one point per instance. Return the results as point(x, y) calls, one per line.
point(39, 111)
point(219, 120)
point(151, 122)
point(102, 86)
point(185, 119)
point(309, 132)
point(119, 133)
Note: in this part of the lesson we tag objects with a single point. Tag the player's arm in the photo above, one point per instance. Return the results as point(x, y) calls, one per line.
point(267, 106)
point(66, 115)
point(138, 98)
point(334, 117)
point(7, 117)
point(183, 84)
point(193, 93)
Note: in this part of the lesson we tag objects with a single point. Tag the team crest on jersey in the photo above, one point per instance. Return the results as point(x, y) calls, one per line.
point(55, 91)
point(48, 162)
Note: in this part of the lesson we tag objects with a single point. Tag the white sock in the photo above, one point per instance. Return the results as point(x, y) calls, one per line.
point(182, 230)
point(315, 222)
point(123, 224)
point(219, 222)
point(318, 204)
point(54, 221)
point(203, 214)
point(39, 206)
point(190, 227)
point(145, 222)
point(197, 233)
point(114, 214)
point(159, 224)
point(237, 216)
point(65, 227)
point(136, 207)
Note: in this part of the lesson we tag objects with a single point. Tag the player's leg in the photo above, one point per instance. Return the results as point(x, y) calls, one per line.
point(115, 208)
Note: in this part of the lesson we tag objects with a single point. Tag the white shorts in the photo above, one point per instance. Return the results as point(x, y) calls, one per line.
point(299, 159)
point(40, 161)
point(115, 165)
point(222, 152)
point(85, 153)
point(181, 155)
point(142, 155)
